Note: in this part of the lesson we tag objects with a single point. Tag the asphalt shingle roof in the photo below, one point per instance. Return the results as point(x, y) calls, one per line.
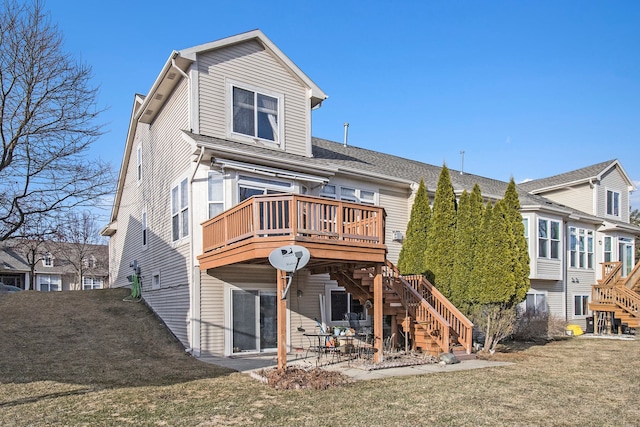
point(581, 174)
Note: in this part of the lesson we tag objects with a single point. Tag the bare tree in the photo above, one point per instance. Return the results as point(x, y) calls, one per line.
point(48, 121)
point(78, 245)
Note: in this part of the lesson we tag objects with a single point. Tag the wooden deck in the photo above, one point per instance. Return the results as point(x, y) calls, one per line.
point(335, 232)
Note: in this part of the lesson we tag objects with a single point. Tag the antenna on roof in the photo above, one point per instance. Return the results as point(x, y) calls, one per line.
point(462, 160)
point(346, 133)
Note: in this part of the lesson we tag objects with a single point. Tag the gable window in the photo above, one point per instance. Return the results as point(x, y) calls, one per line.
point(143, 220)
point(613, 203)
point(256, 114)
point(89, 283)
point(215, 183)
point(607, 249)
point(548, 239)
point(581, 247)
point(49, 283)
point(47, 260)
point(580, 305)
point(139, 162)
point(179, 211)
point(89, 262)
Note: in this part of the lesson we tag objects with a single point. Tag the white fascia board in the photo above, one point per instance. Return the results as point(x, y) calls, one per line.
point(630, 184)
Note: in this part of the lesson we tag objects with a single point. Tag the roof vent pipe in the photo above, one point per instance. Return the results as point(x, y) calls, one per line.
point(346, 133)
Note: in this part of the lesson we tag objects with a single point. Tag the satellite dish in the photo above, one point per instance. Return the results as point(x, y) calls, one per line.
point(289, 258)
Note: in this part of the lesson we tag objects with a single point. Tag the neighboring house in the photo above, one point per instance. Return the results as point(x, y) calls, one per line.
point(220, 168)
point(53, 266)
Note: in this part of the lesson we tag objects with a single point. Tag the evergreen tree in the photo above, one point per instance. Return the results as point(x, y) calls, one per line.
point(411, 260)
point(519, 251)
point(439, 257)
point(463, 252)
point(482, 259)
point(468, 233)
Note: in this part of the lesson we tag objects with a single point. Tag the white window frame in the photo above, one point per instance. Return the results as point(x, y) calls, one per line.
point(144, 221)
point(612, 206)
point(349, 194)
point(279, 136)
point(215, 202)
point(51, 279)
point(605, 251)
point(536, 295)
point(581, 248)
point(584, 305)
point(262, 185)
point(89, 283)
point(179, 210)
point(525, 223)
point(548, 242)
point(139, 163)
point(47, 260)
point(329, 289)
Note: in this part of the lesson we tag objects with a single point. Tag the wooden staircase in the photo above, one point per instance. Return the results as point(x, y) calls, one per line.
point(616, 295)
point(414, 304)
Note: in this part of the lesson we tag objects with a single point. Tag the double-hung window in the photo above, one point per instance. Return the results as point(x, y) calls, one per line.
point(216, 193)
point(581, 247)
point(179, 211)
point(535, 303)
point(548, 239)
point(47, 260)
point(580, 305)
point(349, 194)
point(89, 283)
point(256, 113)
point(49, 283)
point(613, 203)
point(608, 245)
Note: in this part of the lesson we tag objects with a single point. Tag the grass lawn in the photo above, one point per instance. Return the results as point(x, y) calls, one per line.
point(88, 358)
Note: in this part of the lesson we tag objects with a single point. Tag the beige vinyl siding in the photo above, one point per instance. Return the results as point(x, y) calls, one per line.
point(555, 295)
point(395, 206)
point(614, 181)
point(248, 63)
point(165, 159)
point(301, 310)
point(548, 269)
point(579, 197)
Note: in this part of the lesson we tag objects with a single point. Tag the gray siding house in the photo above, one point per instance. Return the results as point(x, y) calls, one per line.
point(221, 147)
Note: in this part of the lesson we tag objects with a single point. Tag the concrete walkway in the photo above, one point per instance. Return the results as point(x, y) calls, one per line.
point(252, 364)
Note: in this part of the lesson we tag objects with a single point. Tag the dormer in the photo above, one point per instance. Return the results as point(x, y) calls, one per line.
point(47, 260)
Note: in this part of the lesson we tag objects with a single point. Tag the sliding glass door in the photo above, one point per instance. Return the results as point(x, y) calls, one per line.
point(254, 321)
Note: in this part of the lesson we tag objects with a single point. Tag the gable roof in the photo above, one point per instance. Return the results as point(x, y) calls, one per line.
point(578, 176)
point(317, 95)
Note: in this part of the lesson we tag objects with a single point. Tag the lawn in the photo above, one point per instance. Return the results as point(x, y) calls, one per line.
point(89, 358)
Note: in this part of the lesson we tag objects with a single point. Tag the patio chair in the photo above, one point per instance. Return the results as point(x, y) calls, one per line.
point(354, 321)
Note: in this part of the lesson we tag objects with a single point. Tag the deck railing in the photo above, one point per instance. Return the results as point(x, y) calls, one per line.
point(295, 215)
point(611, 272)
point(461, 328)
point(619, 296)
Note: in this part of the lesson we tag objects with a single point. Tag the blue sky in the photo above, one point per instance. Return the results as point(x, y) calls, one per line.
point(527, 89)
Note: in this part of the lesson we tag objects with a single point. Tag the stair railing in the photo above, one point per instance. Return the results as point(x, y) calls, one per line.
point(461, 327)
point(423, 313)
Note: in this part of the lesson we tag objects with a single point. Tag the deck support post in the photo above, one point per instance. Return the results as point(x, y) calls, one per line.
point(377, 315)
point(282, 320)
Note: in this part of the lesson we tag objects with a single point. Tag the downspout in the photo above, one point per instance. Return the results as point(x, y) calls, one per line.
point(194, 321)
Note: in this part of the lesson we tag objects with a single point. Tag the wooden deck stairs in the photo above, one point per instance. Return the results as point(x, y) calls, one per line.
point(415, 305)
point(616, 296)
